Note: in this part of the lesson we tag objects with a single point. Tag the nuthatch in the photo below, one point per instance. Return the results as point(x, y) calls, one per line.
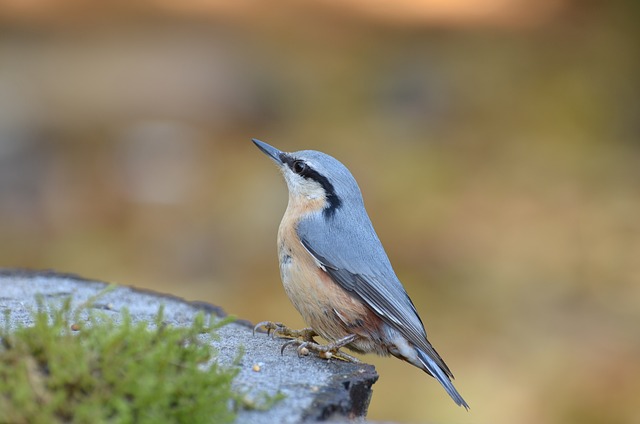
point(337, 274)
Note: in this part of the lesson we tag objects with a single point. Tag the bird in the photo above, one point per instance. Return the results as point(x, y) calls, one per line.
point(337, 274)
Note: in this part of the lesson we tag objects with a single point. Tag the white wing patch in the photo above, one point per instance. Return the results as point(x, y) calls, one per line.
point(342, 318)
point(318, 263)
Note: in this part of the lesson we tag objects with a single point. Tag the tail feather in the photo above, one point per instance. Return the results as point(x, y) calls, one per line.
point(442, 377)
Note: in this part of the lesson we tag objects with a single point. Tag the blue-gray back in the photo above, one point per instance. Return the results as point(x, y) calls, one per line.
point(346, 244)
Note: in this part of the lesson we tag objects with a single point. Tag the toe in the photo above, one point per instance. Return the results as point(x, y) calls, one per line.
point(259, 325)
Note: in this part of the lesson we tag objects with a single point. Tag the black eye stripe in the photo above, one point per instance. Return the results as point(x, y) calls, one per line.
point(309, 173)
point(298, 166)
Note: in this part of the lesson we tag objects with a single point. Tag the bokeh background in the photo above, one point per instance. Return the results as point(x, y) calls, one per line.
point(497, 144)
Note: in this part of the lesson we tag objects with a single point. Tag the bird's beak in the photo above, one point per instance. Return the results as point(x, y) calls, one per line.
point(270, 151)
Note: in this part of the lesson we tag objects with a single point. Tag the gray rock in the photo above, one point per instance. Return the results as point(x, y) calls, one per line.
point(315, 389)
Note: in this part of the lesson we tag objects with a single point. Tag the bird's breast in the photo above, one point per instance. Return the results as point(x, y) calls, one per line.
point(324, 305)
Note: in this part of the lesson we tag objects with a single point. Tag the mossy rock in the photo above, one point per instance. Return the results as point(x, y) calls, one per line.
point(124, 361)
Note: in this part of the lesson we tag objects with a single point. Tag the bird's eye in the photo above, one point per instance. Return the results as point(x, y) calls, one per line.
point(299, 167)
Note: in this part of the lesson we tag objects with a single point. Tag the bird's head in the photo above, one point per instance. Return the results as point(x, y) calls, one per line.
point(315, 178)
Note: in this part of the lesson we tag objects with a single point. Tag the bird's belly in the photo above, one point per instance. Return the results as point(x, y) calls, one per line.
point(325, 306)
point(314, 296)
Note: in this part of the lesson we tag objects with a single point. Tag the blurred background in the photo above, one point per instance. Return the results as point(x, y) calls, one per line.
point(497, 144)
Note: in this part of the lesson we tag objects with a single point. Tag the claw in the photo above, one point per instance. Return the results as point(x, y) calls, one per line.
point(289, 343)
point(259, 325)
point(269, 326)
point(303, 347)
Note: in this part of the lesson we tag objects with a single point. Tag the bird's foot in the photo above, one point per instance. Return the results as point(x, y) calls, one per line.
point(328, 351)
point(278, 329)
point(304, 342)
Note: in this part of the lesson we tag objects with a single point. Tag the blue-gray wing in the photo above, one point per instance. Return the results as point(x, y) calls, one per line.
point(355, 259)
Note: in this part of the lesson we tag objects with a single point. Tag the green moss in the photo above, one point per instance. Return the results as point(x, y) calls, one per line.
point(93, 370)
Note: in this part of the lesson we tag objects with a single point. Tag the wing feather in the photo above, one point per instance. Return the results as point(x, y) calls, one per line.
point(356, 260)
